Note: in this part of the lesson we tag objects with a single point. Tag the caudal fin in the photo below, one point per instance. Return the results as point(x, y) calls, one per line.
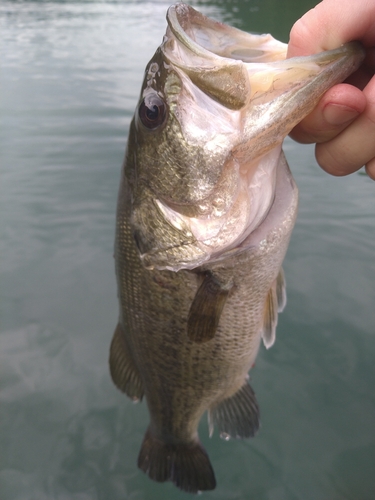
point(186, 465)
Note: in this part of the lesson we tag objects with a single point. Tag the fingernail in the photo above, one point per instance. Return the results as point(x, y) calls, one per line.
point(336, 114)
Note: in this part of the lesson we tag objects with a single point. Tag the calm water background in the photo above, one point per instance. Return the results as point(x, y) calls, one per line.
point(71, 74)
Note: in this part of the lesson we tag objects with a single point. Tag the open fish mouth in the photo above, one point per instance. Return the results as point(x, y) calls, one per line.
point(236, 100)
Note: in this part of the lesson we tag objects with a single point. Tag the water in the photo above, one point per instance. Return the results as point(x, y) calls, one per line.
point(71, 75)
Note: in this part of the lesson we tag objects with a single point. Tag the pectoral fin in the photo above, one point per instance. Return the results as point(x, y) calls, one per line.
point(206, 309)
point(280, 291)
point(270, 319)
point(124, 373)
point(275, 302)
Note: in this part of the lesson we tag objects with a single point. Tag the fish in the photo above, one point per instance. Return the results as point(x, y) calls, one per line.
point(206, 207)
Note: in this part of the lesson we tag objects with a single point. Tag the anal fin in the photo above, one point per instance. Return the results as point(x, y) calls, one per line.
point(206, 309)
point(236, 416)
point(185, 464)
point(124, 373)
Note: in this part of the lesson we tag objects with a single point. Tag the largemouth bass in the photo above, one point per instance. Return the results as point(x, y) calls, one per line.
point(205, 211)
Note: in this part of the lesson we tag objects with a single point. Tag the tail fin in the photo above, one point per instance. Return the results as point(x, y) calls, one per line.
point(186, 465)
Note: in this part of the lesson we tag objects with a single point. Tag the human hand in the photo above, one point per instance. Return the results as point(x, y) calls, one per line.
point(343, 123)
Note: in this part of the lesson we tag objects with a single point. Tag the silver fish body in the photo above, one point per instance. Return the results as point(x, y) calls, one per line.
point(205, 211)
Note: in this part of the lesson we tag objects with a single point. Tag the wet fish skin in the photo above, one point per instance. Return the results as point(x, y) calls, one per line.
point(197, 295)
point(180, 378)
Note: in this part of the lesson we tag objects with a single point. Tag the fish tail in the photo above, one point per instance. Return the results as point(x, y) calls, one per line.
point(187, 465)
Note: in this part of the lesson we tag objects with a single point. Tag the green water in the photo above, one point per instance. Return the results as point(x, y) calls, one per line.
point(70, 78)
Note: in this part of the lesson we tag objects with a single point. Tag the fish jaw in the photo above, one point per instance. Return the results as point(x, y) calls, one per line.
point(287, 91)
point(250, 73)
point(212, 53)
point(206, 179)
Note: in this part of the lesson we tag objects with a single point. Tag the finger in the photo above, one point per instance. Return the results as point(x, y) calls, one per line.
point(355, 145)
point(314, 32)
point(336, 110)
point(370, 169)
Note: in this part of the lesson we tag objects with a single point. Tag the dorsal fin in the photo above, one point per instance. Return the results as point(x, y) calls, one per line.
point(206, 309)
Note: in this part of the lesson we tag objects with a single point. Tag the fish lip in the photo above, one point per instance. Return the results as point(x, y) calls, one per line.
point(257, 45)
point(265, 42)
point(176, 11)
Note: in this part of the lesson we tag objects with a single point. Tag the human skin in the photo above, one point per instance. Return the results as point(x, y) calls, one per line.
point(343, 123)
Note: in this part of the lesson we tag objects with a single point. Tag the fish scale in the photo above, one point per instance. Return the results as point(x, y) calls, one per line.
point(183, 379)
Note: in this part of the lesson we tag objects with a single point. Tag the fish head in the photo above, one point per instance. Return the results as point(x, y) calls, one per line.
point(205, 140)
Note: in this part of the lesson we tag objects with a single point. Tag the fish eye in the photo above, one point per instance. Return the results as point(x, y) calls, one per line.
point(152, 111)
